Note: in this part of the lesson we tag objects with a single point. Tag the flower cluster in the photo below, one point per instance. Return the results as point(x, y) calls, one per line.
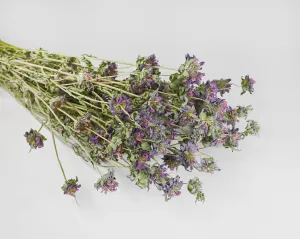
point(58, 103)
point(148, 64)
point(87, 84)
point(247, 84)
point(107, 183)
point(145, 77)
point(244, 111)
point(141, 161)
point(171, 162)
point(172, 188)
point(120, 106)
point(35, 139)
point(109, 69)
point(252, 128)
point(192, 67)
point(71, 186)
point(223, 85)
point(187, 155)
point(208, 165)
point(84, 124)
point(195, 188)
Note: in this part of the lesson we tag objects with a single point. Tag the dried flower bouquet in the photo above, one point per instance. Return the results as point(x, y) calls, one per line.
point(143, 117)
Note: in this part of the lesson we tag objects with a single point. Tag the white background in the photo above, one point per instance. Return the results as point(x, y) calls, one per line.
point(256, 195)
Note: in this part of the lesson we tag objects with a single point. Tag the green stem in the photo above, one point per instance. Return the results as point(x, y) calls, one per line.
point(99, 136)
point(41, 67)
point(204, 154)
point(60, 165)
point(127, 63)
point(88, 98)
point(67, 114)
point(164, 93)
point(117, 89)
point(42, 126)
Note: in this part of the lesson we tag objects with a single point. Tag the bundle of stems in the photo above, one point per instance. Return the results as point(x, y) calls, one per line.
point(143, 117)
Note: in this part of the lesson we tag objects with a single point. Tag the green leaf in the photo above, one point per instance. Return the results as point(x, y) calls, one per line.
point(202, 116)
point(115, 142)
point(145, 146)
point(185, 74)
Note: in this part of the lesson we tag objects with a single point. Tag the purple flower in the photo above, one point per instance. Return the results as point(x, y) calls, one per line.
point(194, 77)
point(204, 128)
point(152, 60)
point(107, 183)
point(223, 85)
point(190, 69)
point(94, 139)
point(120, 106)
point(138, 136)
point(231, 140)
point(211, 91)
point(172, 187)
point(144, 122)
point(187, 155)
point(171, 130)
point(196, 63)
point(157, 105)
point(247, 84)
point(58, 103)
point(208, 165)
point(222, 109)
point(34, 139)
point(156, 131)
point(83, 125)
point(148, 73)
point(143, 85)
point(70, 187)
point(172, 162)
point(141, 162)
point(186, 116)
point(149, 62)
point(192, 92)
point(139, 165)
point(163, 146)
point(223, 106)
point(162, 171)
point(232, 115)
point(158, 175)
point(111, 69)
